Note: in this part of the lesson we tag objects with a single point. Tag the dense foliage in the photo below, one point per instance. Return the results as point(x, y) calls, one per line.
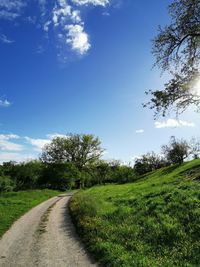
point(149, 162)
point(79, 149)
point(177, 151)
point(61, 176)
point(78, 171)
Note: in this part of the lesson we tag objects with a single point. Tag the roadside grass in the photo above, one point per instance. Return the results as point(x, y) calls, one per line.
point(152, 222)
point(15, 204)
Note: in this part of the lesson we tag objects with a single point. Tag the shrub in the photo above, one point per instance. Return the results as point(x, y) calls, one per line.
point(6, 184)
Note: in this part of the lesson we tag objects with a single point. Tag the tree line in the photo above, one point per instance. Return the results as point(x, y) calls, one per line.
point(75, 161)
point(175, 152)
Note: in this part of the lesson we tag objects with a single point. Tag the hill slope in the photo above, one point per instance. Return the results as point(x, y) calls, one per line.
point(152, 222)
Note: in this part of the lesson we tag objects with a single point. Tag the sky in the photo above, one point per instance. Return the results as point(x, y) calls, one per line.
point(82, 66)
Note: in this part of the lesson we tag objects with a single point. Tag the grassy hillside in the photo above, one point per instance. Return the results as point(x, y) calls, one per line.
point(15, 204)
point(152, 222)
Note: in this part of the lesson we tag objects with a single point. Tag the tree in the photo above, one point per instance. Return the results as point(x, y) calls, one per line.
point(177, 50)
point(195, 147)
point(59, 176)
point(79, 149)
point(177, 150)
point(148, 162)
point(124, 174)
point(27, 174)
point(102, 172)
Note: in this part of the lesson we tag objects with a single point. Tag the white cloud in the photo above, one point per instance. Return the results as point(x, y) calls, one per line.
point(172, 123)
point(140, 131)
point(7, 145)
point(12, 5)
point(19, 152)
point(4, 39)
point(69, 26)
point(60, 17)
point(8, 136)
point(10, 10)
point(92, 2)
point(37, 143)
point(134, 158)
point(10, 146)
point(54, 135)
point(4, 103)
point(46, 26)
point(61, 12)
point(77, 38)
point(18, 157)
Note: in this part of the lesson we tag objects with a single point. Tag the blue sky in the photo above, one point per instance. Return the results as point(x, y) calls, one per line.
point(82, 66)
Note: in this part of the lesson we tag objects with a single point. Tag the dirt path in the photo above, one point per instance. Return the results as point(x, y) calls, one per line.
point(45, 236)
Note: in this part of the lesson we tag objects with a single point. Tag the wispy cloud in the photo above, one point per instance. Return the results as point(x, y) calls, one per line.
point(40, 49)
point(10, 150)
point(9, 136)
point(172, 123)
point(69, 26)
point(18, 157)
point(54, 135)
point(38, 144)
point(93, 2)
point(60, 17)
point(42, 4)
point(140, 131)
point(7, 145)
point(10, 10)
point(5, 103)
point(4, 39)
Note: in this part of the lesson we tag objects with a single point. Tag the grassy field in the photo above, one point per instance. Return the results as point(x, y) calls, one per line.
point(15, 204)
point(152, 222)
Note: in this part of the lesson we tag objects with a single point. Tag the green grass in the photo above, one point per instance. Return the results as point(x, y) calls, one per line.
point(152, 222)
point(15, 204)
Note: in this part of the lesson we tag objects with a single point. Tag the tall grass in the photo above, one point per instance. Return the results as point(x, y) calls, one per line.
point(152, 222)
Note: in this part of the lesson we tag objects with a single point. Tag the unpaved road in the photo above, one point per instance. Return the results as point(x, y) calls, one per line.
point(45, 236)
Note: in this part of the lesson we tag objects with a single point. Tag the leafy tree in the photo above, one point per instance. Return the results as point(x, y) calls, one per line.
point(177, 50)
point(27, 174)
point(8, 168)
point(124, 174)
point(59, 176)
point(85, 178)
point(195, 147)
point(148, 162)
point(177, 151)
point(79, 149)
point(101, 172)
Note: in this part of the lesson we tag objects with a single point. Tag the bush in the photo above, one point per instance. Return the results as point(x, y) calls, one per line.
point(27, 175)
point(6, 184)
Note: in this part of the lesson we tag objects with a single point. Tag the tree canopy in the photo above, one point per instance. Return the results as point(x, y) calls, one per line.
point(176, 151)
point(80, 149)
point(177, 50)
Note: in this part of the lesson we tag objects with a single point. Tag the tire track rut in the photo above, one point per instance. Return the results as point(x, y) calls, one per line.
point(44, 237)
